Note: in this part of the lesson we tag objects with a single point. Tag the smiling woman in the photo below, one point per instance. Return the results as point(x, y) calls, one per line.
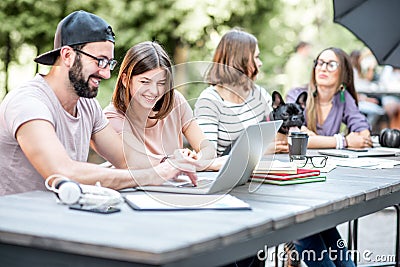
point(152, 117)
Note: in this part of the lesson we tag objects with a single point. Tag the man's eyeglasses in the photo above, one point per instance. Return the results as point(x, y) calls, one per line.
point(316, 161)
point(101, 62)
point(331, 66)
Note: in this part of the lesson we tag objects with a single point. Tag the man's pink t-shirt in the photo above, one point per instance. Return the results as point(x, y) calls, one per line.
point(35, 100)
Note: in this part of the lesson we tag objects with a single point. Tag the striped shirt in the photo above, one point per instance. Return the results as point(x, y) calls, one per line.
point(223, 121)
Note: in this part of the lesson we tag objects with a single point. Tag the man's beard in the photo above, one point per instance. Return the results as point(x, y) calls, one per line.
point(81, 86)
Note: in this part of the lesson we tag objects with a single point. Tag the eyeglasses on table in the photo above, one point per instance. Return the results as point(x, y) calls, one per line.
point(316, 161)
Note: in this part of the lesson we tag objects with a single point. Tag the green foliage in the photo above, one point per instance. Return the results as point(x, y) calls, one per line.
point(189, 30)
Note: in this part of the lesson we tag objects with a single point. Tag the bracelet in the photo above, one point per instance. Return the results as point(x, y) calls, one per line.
point(337, 137)
point(340, 137)
point(345, 143)
point(339, 141)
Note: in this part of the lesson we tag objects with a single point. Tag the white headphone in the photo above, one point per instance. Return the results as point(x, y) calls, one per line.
point(70, 192)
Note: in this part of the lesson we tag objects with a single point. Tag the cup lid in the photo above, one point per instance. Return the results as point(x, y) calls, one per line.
point(298, 134)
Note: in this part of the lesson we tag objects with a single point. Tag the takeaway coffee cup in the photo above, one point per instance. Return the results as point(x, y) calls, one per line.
point(297, 144)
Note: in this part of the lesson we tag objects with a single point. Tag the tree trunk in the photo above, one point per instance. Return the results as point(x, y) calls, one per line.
point(7, 61)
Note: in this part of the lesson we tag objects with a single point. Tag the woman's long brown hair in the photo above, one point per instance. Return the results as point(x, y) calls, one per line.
point(234, 60)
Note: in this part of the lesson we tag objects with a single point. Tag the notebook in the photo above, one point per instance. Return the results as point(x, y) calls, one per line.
point(243, 157)
point(301, 173)
point(354, 153)
point(305, 180)
point(275, 166)
point(174, 202)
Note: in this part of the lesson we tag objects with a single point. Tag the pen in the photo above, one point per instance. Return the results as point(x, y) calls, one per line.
point(165, 158)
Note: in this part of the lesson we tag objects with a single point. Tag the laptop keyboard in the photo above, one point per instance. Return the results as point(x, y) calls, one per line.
point(200, 183)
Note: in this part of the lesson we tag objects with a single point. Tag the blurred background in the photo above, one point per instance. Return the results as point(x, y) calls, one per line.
point(188, 30)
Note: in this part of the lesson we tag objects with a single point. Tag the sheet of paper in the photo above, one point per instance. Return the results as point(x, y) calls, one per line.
point(365, 163)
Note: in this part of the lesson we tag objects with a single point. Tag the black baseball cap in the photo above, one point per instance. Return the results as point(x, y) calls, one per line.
point(79, 27)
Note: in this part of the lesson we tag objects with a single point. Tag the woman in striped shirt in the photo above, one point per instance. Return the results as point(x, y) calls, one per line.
point(233, 101)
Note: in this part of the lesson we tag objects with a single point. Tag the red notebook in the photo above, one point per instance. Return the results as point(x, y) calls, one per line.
point(301, 173)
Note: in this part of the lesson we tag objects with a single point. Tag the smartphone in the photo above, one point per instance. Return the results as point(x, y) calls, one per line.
point(101, 210)
point(357, 149)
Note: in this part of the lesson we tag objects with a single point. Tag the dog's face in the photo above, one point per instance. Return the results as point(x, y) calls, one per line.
point(291, 113)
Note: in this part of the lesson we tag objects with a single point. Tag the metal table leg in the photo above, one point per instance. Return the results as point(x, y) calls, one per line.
point(354, 237)
point(397, 208)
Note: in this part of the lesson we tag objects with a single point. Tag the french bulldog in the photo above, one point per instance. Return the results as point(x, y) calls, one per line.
point(290, 113)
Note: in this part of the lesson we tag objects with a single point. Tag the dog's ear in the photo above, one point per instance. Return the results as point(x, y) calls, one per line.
point(302, 99)
point(277, 99)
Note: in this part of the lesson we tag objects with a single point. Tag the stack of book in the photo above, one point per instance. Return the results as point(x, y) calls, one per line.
point(284, 173)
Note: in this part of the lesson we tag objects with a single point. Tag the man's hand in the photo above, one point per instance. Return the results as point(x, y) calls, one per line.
point(181, 162)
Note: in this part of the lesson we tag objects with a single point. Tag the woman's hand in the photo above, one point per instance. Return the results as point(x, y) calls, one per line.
point(217, 163)
point(304, 129)
point(181, 162)
point(280, 145)
point(358, 140)
point(188, 154)
point(202, 163)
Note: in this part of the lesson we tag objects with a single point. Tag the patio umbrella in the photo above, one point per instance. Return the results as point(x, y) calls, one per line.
point(375, 23)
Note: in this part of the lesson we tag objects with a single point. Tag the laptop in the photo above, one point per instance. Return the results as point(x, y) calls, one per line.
point(359, 153)
point(243, 157)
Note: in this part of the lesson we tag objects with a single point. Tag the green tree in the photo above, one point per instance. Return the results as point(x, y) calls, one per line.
point(33, 23)
point(189, 30)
